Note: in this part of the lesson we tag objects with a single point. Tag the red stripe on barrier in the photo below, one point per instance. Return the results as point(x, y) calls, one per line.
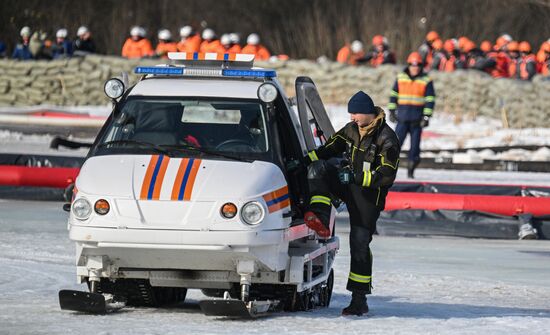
point(13, 175)
point(65, 115)
point(497, 204)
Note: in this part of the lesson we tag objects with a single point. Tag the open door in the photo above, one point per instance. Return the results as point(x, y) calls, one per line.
point(314, 120)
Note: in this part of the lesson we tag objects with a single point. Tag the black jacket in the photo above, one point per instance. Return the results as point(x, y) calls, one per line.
point(383, 158)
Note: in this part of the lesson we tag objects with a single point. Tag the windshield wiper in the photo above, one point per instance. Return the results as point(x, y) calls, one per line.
point(139, 143)
point(205, 151)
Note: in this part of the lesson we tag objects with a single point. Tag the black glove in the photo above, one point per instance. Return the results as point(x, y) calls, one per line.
point(425, 121)
point(293, 165)
point(345, 175)
point(393, 117)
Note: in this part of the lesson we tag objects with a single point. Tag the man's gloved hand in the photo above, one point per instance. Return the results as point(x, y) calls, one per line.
point(345, 175)
point(393, 117)
point(293, 165)
point(425, 121)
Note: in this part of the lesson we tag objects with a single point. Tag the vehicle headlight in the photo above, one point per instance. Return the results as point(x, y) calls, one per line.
point(114, 88)
point(252, 213)
point(267, 92)
point(82, 209)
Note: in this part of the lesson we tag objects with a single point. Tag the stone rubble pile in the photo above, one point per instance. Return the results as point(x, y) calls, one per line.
point(79, 81)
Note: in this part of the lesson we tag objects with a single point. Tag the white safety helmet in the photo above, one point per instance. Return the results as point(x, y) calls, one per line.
point(82, 30)
point(25, 31)
point(137, 31)
point(165, 35)
point(61, 33)
point(235, 38)
point(225, 39)
point(185, 31)
point(253, 39)
point(356, 46)
point(507, 37)
point(208, 34)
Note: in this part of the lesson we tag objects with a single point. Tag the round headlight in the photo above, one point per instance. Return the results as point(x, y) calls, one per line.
point(252, 213)
point(267, 92)
point(228, 210)
point(82, 209)
point(114, 88)
point(102, 207)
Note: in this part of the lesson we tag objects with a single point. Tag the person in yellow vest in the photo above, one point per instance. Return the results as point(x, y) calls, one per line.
point(165, 44)
point(412, 101)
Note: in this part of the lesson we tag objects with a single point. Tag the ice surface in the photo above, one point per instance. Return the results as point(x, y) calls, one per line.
point(421, 286)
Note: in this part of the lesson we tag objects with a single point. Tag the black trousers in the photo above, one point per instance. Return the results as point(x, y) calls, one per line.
point(363, 214)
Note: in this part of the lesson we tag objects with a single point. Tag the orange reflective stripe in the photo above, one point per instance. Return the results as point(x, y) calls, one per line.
point(179, 178)
point(276, 194)
point(148, 176)
point(191, 181)
point(160, 177)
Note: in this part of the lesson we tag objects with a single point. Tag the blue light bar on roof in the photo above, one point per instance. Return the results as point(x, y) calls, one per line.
point(159, 70)
point(249, 73)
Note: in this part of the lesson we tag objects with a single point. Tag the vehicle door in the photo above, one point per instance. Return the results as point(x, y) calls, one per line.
point(314, 121)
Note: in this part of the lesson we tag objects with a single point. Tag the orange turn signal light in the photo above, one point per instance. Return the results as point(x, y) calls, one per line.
point(228, 210)
point(102, 207)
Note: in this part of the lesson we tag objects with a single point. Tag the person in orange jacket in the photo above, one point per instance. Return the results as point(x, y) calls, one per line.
point(165, 44)
point(486, 46)
point(526, 65)
point(137, 46)
point(210, 43)
point(426, 49)
point(190, 40)
point(228, 46)
point(453, 60)
point(497, 60)
point(351, 54)
point(380, 53)
point(254, 47)
point(544, 63)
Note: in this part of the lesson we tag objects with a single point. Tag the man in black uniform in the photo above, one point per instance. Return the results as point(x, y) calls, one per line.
point(371, 150)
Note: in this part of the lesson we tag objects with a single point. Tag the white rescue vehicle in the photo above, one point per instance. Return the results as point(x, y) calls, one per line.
point(192, 183)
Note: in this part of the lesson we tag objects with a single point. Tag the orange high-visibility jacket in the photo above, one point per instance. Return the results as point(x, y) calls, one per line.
point(260, 52)
point(212, 46)
point(345, 56)
point(190, 44)
point(163, 49)
point(137, 49)
point(234, 49)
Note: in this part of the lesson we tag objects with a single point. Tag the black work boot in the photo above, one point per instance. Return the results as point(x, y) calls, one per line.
point(358, 305)
point(410, 169)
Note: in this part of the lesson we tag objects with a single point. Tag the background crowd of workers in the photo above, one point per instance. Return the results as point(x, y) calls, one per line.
point(36, 45)
point(138, 46)
point(505, 58)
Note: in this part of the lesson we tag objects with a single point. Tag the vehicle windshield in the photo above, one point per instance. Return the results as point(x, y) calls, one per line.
point(230, 128)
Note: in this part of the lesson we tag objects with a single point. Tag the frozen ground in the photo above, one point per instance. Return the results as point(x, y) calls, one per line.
point(422, 286)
